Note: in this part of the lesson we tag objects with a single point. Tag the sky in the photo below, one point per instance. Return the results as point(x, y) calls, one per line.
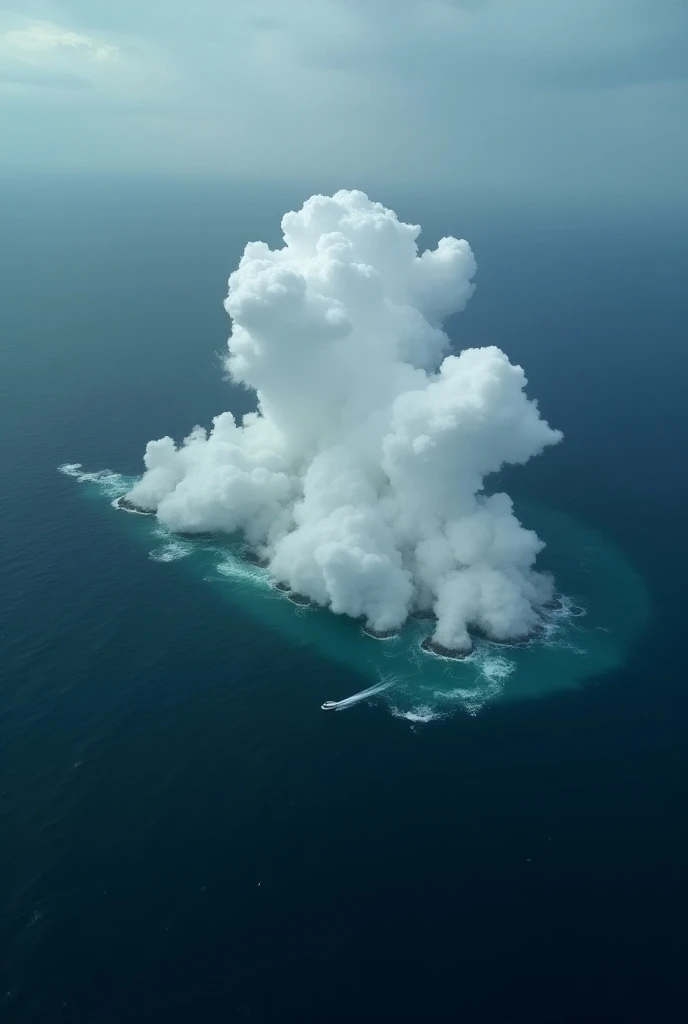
point(532, 98)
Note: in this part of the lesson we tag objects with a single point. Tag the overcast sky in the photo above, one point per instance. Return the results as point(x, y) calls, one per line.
point(531, 97)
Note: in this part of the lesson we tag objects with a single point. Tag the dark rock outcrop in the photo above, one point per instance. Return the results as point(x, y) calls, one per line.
point(423, 614)
point(380, 634)
point(433, 647)
point(297, 598)
point(284, 587)
point(129, 506)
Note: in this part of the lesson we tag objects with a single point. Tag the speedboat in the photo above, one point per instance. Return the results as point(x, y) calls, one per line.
point(329, 705)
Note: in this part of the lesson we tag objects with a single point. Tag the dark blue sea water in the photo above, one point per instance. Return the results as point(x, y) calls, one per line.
point(185, 835)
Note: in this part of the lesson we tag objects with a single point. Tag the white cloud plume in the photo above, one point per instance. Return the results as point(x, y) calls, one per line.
point(360, 477)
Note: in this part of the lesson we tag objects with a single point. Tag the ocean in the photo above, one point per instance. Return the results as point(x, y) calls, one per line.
point(185, 835)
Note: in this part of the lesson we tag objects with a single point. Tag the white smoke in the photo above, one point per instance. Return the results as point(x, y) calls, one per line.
point(360, 477)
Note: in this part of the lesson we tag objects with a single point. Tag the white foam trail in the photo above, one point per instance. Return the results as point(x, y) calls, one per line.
point(422, 714)
point(496, 669)
point(112, 484)
point(237, 568)
point(71, 469)
point(558, 624)
point(473, 701)
point(171, 552)
point(355, 698)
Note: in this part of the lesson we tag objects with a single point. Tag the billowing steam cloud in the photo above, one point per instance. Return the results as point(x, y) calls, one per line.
point(360, 477)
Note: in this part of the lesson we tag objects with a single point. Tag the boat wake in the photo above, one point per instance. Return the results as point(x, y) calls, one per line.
point(356, 698)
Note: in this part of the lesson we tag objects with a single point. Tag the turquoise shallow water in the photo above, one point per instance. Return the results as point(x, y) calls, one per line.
point(605, 607)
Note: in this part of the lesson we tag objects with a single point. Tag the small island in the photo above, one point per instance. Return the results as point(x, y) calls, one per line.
point(128, 506)
point(433, 647)
point(423, 614)
point(380, 634)
point(297, 598)
point(284, 587)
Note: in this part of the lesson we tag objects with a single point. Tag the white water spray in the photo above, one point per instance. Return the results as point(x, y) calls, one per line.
point(356, 698)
